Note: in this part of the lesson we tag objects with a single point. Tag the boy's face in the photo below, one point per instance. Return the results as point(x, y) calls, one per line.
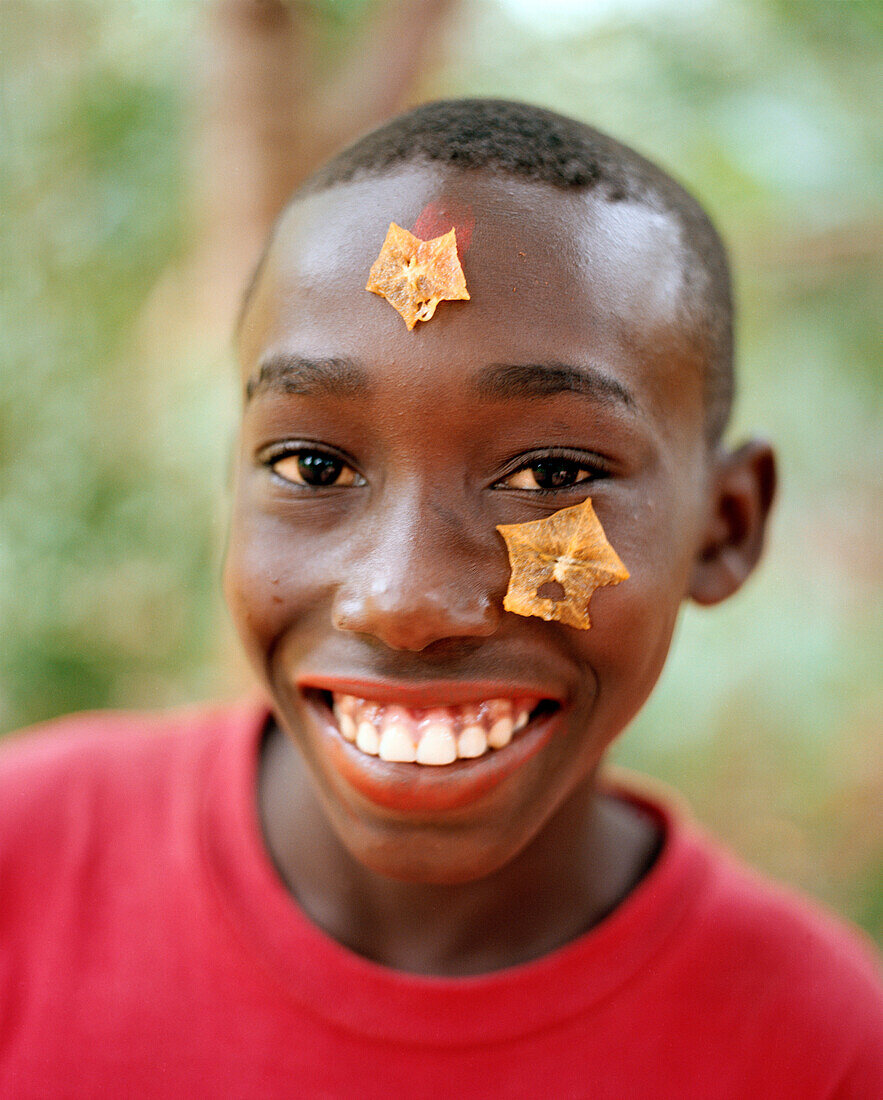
point(385, 578)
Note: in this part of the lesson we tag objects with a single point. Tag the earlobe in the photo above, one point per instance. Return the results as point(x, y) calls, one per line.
point(743, 488)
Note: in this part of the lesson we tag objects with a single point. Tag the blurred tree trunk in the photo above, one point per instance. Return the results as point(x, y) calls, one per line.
point(269, 111)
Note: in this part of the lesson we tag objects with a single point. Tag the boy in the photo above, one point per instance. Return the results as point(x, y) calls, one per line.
point(405, 877)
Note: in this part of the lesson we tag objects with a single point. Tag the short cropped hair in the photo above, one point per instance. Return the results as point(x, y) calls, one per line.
point(532, 143)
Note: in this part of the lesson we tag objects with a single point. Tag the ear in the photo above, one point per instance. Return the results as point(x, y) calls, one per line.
point(743, 485)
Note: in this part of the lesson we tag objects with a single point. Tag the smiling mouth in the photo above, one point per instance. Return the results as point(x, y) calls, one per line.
point(433, 736)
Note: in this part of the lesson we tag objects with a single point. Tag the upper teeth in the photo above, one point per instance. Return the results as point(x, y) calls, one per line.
point(438, 735)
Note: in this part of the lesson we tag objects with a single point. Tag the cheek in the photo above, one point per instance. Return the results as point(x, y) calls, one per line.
point(267, 581)
point(634, 635)
point(633, 622)
point(626, 647)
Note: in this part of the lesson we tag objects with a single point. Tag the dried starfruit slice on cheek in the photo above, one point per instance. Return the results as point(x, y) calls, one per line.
point(557, 563)
point(414, 275)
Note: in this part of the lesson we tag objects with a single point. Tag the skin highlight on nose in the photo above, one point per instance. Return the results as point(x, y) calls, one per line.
point(404, 617)
point(415, 576)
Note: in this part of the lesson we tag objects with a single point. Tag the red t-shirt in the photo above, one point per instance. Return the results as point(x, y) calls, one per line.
point(148, 948)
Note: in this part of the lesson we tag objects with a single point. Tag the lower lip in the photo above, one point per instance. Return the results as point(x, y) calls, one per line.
point(424, 788)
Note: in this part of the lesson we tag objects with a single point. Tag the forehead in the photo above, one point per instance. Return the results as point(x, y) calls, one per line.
point(553, 275)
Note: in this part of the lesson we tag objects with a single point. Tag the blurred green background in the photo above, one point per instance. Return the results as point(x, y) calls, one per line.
point(121, 145)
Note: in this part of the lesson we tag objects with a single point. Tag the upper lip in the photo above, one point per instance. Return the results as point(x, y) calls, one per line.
point(426, 693)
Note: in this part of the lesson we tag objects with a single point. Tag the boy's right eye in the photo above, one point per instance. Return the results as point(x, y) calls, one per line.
point(313, 468)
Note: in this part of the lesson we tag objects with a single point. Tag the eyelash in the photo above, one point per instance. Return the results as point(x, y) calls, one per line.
point(596, 467)
point(271, 457)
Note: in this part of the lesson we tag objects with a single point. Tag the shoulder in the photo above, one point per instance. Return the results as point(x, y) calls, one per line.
point(743, 921)
point(793, 942)
point(92, 740)
point(766, 982)
point(101, 853)
point(104, 806)
point(76, 770)
point(800, 979)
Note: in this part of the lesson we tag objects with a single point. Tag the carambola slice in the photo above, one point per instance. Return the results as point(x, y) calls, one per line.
point(414, 275)
point(568, 552)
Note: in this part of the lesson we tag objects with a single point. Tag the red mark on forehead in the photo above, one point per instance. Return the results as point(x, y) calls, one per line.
point(437, 218)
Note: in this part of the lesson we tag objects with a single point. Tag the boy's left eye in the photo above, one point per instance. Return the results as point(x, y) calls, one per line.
point(548, 473)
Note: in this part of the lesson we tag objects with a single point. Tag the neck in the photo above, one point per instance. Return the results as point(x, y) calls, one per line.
point(575, 871)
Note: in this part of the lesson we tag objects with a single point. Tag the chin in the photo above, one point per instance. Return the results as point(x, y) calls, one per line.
point(451, 863)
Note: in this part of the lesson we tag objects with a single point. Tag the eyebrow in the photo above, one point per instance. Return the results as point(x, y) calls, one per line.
point(332, 377)
point(342, 377)
point(510, 381)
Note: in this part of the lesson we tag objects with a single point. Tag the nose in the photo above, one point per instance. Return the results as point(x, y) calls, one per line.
point(417, 576)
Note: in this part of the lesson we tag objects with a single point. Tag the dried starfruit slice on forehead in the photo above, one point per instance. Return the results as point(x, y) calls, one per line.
point(557, 563)
point(414, 275)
